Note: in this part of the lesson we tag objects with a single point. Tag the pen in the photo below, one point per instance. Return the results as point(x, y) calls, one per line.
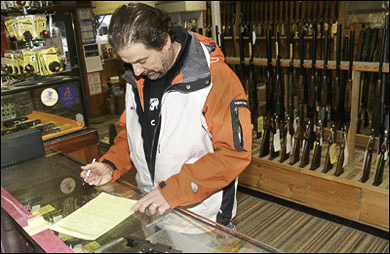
point(93, 161)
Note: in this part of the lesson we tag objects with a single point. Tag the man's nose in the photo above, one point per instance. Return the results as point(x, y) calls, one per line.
point(138, 69)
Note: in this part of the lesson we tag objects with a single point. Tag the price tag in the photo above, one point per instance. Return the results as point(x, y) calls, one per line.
point(90, 247)
point(332, 154)
point(377, 160)
point(295, 125)
point(277, 141)
point(46, 209)
point(293, 142)
point(346, 154)
point(288, 145)
point(260, 125)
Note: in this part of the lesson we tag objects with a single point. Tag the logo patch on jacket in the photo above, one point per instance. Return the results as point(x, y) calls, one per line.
point(153, 104)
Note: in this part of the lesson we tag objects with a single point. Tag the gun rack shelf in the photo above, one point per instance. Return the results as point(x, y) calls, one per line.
point(344, 196)
point(344, 65)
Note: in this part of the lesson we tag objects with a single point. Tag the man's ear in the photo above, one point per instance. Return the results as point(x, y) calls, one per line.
point(168, 42)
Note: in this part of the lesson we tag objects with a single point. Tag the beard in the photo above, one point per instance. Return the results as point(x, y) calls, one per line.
point(158, 73)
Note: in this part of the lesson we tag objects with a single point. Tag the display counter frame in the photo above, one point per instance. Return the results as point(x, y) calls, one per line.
point(48, 185)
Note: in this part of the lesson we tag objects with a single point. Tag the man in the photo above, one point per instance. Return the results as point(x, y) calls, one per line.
point(187, 127)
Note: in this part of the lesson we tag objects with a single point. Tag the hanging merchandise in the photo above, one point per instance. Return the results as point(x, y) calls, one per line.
point(20, 4)
point(9, 67)
point(30, 63)
point(41, 26)
point(27, 28)
point(50, 61)
point(12, 27)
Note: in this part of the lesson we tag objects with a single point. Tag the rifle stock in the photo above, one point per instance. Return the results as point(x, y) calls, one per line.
point(340, 161)
point(368, 158)
point(264, 147)
point(306, 146)
point(274, 151)
point(316, 160)
point(382, 160)
point(328, 165)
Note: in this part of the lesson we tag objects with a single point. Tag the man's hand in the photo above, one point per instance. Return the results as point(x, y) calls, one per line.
point(154, 200)
point(99, 173)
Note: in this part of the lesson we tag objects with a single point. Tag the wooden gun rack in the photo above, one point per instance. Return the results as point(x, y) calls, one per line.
point(345, 195)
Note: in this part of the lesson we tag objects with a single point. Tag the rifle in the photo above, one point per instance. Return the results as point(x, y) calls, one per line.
point(318, 19)
point(232, 25)
point(304, 17)
point(312, 87)
point(295, 25)
point(344, 77)
point(343, 152)
point(289, 133)
point(348, 87)
point(328, 14)
point(316, 160)
point(312, 111)
point(223, 17)
point(323, 94)
point(306, 145)
point(264, 147)
point(369, 148)
point(298, 135)
point(382, 110)
point(253, 103)
point(330, 158)
point(337, 85)
point(279, 102)
point(258, 29)
point(310, 26)
point(282, 28)
point(227, 18)
point(367, 55)
point(242, 57)
point(380, 165)
point(334, 16)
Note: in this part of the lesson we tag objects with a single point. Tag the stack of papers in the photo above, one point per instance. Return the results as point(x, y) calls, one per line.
point(95, 218)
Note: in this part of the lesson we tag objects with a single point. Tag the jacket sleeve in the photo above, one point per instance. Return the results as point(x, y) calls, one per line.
point(214, 171)
point(117, 158)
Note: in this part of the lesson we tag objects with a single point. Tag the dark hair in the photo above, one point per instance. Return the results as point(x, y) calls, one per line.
point(136, 22)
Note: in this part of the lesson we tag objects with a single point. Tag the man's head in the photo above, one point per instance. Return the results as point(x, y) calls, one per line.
point(142, 36)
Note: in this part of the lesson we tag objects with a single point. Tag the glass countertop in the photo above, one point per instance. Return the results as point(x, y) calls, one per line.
point(53, 181)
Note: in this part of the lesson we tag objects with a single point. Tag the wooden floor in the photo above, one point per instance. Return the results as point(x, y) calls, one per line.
point(284, 226)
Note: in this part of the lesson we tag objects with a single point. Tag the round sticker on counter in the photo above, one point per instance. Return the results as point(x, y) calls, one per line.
point(49, 97)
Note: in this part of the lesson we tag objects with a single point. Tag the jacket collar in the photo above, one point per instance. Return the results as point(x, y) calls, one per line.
point(195, 70)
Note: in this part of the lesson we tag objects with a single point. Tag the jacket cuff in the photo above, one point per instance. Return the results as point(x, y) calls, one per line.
point(112, 168)
point(169, 189)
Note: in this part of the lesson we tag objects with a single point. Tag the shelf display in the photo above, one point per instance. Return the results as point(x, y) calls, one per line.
point(331, 87)
point(56, 108)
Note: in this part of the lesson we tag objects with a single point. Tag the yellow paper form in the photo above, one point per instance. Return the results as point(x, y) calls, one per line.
point(95, 218)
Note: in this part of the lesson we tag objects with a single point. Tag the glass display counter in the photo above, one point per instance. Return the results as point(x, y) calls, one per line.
point(54, 105)
point(50, 187)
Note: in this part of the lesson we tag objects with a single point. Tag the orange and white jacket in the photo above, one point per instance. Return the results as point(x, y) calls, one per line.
point(205, 139)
